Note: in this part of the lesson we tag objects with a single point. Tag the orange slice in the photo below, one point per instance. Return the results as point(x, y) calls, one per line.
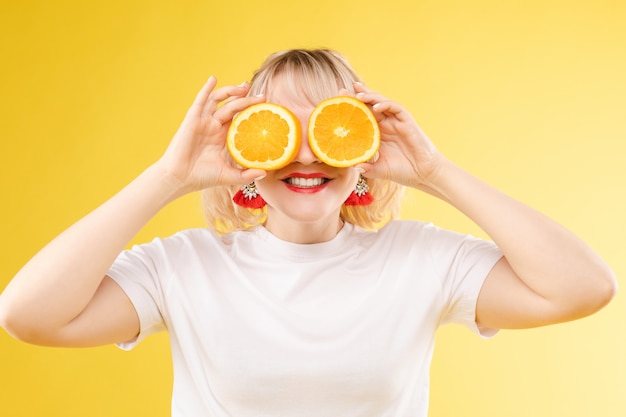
point(264, 136)
point(343, 132)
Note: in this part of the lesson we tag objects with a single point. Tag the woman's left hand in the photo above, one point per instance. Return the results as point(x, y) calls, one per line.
point(406, 156)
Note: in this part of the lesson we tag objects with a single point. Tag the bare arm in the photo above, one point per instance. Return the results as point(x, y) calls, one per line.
point(547, 274)
point(62, 296)
point(43, 302)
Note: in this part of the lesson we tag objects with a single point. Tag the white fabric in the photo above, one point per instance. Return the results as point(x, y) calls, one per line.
point(262, 327)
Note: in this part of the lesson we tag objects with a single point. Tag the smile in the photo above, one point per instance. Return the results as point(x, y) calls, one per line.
point(306, 182)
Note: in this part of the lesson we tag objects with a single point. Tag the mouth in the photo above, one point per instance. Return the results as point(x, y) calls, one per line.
point(306, 182)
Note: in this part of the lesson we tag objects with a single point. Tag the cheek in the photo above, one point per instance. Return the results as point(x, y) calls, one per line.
point(348, 183)
point(267, 185)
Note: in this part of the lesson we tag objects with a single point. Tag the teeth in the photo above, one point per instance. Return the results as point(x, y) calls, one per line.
point(305, 182)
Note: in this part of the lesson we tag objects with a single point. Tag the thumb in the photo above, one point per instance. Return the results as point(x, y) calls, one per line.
point(249, 175)
point(365, 169)
point(373, 170)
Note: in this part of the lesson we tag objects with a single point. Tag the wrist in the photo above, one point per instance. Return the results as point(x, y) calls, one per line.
point(165, 186)
point(436, 178)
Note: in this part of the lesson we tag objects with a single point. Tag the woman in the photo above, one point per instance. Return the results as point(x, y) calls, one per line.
point(298, 309)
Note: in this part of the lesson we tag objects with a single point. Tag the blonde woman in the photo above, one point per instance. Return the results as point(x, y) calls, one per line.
point(307, 306)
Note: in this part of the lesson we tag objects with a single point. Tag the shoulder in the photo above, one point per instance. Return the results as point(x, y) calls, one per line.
point(204, 243)
point(184, 241)
point(184, 238)
point(402, 232)
point(410, 236)
point(405, 226)
point(175, 255)
point(398, 240)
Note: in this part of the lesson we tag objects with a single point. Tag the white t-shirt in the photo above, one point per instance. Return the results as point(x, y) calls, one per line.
point(263, 327)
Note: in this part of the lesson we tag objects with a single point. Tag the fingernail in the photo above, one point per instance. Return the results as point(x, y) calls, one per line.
point(260, 177)
point(243, 84)
point(359, 170)
point(259, 95)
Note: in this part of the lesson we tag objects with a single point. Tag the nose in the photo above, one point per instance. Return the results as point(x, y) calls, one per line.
point(305, 155)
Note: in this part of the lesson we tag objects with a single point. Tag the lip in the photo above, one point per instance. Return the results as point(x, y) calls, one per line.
point(309, 175)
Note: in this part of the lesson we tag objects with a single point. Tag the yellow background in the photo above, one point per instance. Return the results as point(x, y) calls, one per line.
point(528, 95)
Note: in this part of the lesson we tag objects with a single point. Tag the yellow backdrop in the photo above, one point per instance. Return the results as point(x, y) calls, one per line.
point(530, 96)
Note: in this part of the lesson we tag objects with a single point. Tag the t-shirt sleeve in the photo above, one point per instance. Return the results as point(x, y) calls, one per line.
point(136, 271)
point(464, 262)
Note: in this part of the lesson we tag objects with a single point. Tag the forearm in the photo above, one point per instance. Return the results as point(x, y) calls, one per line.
point(57, 283)
point(549, 259)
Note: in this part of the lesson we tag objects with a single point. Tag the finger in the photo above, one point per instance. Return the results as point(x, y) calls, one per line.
point(370, 102)
point(244, 176)
point(362, 168)
point(388, 107)
point(223, 93)
point(368, 96)
point(345, 92)
point(204, 93)
point(382, 106)
point(227, 111)
point(249, 175)
point(360, 87)
point(371, 97)
point(368, 170)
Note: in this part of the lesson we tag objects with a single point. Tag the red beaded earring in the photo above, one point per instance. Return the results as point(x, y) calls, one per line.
point(248, 196)
point(361, 195)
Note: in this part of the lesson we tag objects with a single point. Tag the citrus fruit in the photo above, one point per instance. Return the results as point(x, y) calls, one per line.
point(264, 136)
point(343, 132)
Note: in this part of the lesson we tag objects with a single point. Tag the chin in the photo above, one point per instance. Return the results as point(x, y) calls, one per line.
point(306, 213)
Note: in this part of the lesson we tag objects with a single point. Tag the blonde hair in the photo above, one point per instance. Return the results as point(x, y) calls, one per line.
point(314, 75)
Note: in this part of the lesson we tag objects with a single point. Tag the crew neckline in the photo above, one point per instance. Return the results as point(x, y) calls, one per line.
point(332, 247)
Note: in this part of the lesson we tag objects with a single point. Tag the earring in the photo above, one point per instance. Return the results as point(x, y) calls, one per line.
point(248, 196)
point(361, 195)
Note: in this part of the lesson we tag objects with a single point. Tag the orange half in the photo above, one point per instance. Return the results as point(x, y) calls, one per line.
point(343, 132)
point(264, 136)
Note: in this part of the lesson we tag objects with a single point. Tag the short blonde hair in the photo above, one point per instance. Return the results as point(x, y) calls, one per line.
point(314, 75)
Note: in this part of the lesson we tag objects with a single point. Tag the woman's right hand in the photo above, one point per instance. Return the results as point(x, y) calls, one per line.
point(197, 156)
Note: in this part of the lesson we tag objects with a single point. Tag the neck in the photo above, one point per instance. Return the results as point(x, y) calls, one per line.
point(304, 232)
